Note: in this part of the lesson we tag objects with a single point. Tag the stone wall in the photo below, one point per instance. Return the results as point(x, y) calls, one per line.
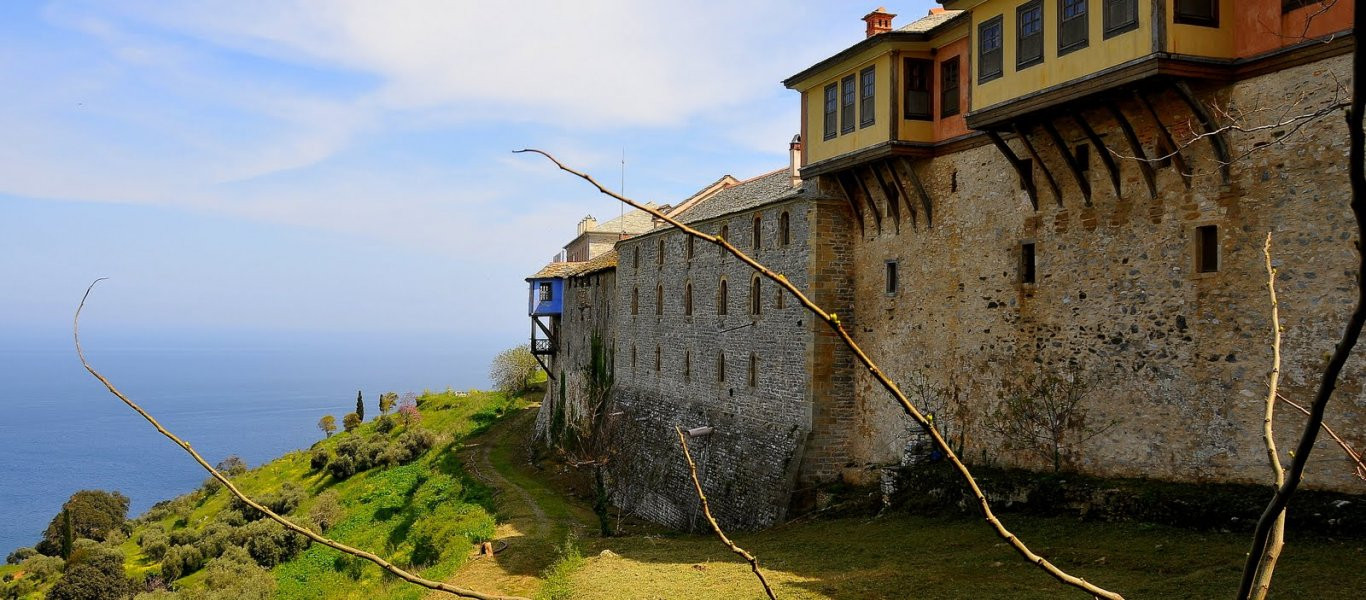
point(587, 311)
point(750, 460)
point(1176, 360)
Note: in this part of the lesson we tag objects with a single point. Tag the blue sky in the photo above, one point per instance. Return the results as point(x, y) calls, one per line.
point(344, 166)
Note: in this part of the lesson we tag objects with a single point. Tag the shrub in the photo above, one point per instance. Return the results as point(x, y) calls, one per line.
point(351, 421)
point(215, 539)
point(86, 582)
point(344, 466)
point(42, 567)
point(19, 556)
point(513, 368)
point(183, 536)
point(384, 424)
point(236, 576)
point(270, 544)
point(154, 543)
point(181, 561)
point(318, 459)
point(327, 510)
point(351, 446)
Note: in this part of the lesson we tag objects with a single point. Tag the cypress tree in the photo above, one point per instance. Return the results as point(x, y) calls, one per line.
point(360, 407)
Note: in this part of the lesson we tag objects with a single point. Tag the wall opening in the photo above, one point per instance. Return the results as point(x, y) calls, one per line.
point(1207, 249)
point(891, 277)
point(1028, 270)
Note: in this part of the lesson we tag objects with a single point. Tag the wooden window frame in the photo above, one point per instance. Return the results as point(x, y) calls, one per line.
point(867, 99)
point(546, 291)
point(832, 106)
point(848, 103)
point(1200, 20)
point(1021, 38)
point(947, 75)
point(1084, 17)
point(1110, 28)
point(998, 23)
point(917, 71)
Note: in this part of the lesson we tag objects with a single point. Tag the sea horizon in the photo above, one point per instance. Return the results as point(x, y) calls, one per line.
point(257, 395)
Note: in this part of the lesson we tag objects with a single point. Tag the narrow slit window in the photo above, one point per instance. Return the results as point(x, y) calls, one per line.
point(720, 366)
point(755, 301)
point(659, 358)
point(753, 370)
point(722, 298)
point(687, 299)
point(725, 235)
point(1207, 249)
point(633, 357)
point(780, 302)
point(832, 103)
point(1028, 269)
point(892, 275)
point(758, 230)
point(848, 94)
point(659, 256)
point(784, 229)
point(659, 300)
point(690, 246)
point(635, 257)
point(635, 301)
point(687, 366)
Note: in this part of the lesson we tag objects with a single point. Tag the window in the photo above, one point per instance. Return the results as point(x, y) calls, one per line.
point(758, 229)
point(659, 300)
point(635, 257)
point(1120, 16)
point(1026, 167)
point(687, 365)
point(659, 358)
point(847, 92)
point(867, 108)
point(635, 301)
point(755, 302)
point(720, 366)
point(722, 298)
point(784, 230)
point(689, 245)
point(687, 299)
point(1027, 266)
point(633, 357)
point(1207, 249)
point(891, 277)
point(989, 50)
point(547, 292)
point(725, 235)
point(659, 256)
point(753, 370)
point(917, 91)
point(1083, 156)
point(948, 88)
point(832, 103)
point(1029, 37)
point(780, 301)
point(1197, 12)
point(1072, 26)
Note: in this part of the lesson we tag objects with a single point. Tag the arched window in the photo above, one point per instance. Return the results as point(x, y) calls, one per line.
point(658, 361)
point(722, 297)
point(635, 302)
point(720, 366)
point(725, 235)
point(784, 230)
point(753, 370)
point(659, 256)
point(687, 299)
point(758, 229)
point(659, 300)
point(755, 302)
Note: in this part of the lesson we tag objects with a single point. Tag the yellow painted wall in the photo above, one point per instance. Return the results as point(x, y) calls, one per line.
point(1199, 40)
point(818, 148)
point(1099, 54)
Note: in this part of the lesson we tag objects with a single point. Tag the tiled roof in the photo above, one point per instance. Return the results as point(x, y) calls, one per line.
point(555, 269)
point(632, 223)
point(929, 22)
point(601, 262)
point(761, 190)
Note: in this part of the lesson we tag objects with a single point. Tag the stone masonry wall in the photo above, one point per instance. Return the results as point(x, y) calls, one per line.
point(749, 462)
point(587, 310)
point(1176, 360)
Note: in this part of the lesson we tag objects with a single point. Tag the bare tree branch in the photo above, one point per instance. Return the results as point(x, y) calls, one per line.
point(1360, 470)
point(1357, 184)
point(290, 525)
point(833, 321)
point(1277, 541)
point(706, 511)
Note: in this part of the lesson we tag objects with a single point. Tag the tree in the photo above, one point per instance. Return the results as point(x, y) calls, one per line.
point(328, 425)
point(407, 410)
point(360, 407)
point(513, 369)
point(93, 573)
point(90, 514)
point(350, 422)
point(386, 402)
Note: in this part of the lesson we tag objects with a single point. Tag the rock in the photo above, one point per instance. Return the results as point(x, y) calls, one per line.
point(608, 554)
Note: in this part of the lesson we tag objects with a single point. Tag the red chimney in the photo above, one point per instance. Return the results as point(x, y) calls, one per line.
point(879, 21)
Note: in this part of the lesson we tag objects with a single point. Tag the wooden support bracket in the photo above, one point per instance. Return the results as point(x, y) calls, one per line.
point(926, 202)
point(1038, 160)
point(901, 192)
point(1136, 147)
point(893, 202)
point(1070, 159)
point(872, 203)
point(1215, 136)
point(853, 202)
point(1101, 150)
point(1026, 179)
point(1177, 158)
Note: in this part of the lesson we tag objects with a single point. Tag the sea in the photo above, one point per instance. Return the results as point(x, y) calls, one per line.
point(253, 395)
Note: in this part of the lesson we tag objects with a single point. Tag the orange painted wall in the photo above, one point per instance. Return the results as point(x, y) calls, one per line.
point(1260, 27)
point(956, 125)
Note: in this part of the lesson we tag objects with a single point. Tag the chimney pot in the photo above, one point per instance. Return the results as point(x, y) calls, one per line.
point(879, 21)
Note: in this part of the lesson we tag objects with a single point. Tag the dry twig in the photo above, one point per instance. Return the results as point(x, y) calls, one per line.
point(706, 511)
point(833, 321)
point(1277, 541)
point(290, 525)
point(1360, 469)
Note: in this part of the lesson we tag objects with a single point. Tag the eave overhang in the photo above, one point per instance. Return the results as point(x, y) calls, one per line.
point(889, 37)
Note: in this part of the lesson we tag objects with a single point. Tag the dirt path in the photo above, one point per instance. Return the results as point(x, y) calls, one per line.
point(533, 519)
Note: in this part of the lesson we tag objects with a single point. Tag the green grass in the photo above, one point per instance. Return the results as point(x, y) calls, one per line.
point(389, 511)
point(558, 576)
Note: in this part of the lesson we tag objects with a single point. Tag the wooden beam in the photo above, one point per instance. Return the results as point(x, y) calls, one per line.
point(1070, 159)
point(1034, 154)
point(1026, 180)
point(1135, 146)
point(893, 202)
point(926, 202)
point(1215, 136)
point(853, 204)
point(872, 204)
point(901, 192)
point(1101, 150)
point(1177, 158)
